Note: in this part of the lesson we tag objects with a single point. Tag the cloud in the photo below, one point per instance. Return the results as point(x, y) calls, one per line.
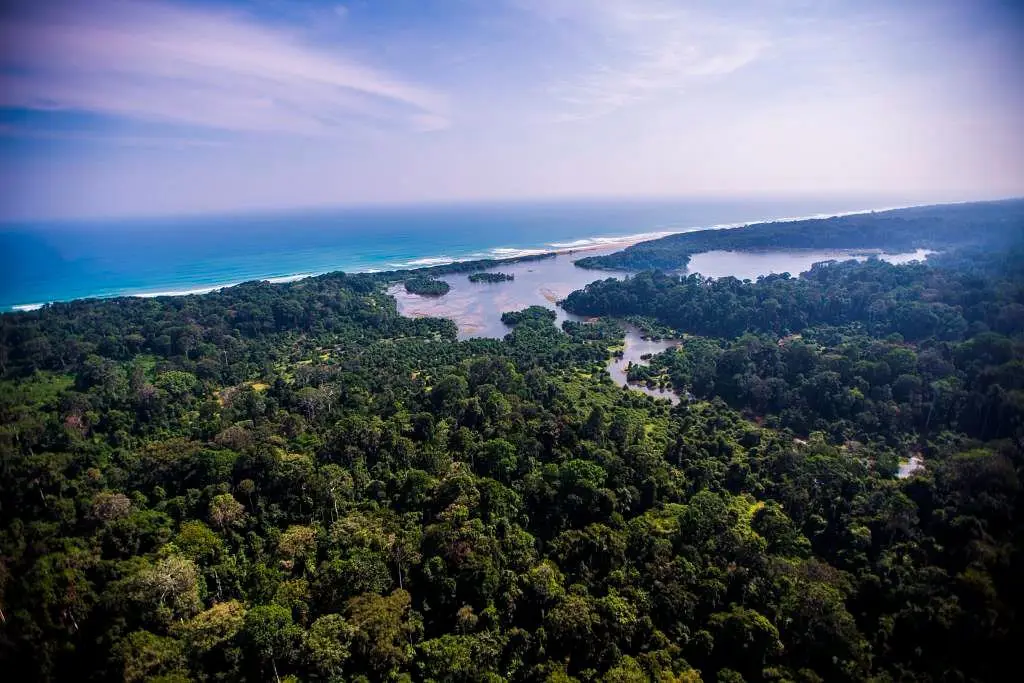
point(633, 51)
point(163, 63)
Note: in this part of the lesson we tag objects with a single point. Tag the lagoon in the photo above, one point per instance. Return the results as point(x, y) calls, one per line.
point(477, 307)
point(751, 265)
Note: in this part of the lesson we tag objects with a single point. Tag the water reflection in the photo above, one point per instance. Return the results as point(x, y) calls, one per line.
point(476, 307)
point(637, 351)
point(751, 265)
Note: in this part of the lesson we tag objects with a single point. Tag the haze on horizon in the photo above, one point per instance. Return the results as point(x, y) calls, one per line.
point(141, 108)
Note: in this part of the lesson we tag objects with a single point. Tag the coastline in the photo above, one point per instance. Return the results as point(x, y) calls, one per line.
point(495, 256)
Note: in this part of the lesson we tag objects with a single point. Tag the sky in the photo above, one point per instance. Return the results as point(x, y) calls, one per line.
point(122, 108)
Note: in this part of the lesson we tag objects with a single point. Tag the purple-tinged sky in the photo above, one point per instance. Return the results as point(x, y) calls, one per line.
point(117, 108)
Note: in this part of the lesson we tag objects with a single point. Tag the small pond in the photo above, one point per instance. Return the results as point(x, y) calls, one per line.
point(636, 348)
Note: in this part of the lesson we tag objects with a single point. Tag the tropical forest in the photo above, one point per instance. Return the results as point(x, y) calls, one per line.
point(294, 482)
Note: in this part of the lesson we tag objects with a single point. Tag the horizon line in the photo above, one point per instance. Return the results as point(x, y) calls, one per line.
point(421, 264)
point(454, 202)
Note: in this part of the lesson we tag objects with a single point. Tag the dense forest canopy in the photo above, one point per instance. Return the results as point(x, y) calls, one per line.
point(294, 482)
point(491, 277)
point(426, 286)
point(994, 225)
point(859, 350)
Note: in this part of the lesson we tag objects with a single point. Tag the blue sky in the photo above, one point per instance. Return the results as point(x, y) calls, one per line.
point(121, 108)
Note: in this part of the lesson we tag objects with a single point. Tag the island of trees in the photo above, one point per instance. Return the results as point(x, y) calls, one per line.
point(426, 286)
point(491, 277)
point(293, 482)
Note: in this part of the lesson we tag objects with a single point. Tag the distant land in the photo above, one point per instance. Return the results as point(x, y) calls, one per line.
point(66, 261)
point(934, 227)
point(48, 261)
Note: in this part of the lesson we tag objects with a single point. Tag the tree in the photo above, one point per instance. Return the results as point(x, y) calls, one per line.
point(145, 655)
point(744, 639)
point(459, 657)
point(198, 542)
point(296, 544)
point(212, 628)
point(327, 645)
point(225, 511)
point(107, 506)
point(573, 622)
point(403, 547)
point(271, 635)
point(170, 587)
point(384, 629)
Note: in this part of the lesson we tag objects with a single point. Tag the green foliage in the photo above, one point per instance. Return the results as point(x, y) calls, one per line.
point(992, 224)
point(426, 286)
point(327, 645)
point(269, 634)
point(212, 628)
point(295, 482)
point(383, 628)
point(537, 314)
point(859, 350)
point(145, 656)
point(491, 277)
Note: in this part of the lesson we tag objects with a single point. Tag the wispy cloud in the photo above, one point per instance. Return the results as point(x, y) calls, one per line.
point(218, 70)
point(635, 50)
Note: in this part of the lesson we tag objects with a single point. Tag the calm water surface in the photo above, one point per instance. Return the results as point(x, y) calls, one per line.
point(477, 307)
point(751, 265)
point(637, 347)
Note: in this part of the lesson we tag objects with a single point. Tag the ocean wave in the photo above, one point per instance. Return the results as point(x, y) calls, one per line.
point(500, 253)
point(425, 261)
point(603, 241)
point(206, 289)
point(443, 260)
point(289, 278)
point(791, 219)
point(513, 252)
point(180, 292)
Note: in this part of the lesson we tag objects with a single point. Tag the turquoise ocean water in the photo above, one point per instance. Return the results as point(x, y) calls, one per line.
point(61, 260)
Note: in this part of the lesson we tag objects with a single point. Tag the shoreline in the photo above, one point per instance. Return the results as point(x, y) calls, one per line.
point(496, 255)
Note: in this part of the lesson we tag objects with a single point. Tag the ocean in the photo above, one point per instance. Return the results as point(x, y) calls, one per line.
point(50, 261)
